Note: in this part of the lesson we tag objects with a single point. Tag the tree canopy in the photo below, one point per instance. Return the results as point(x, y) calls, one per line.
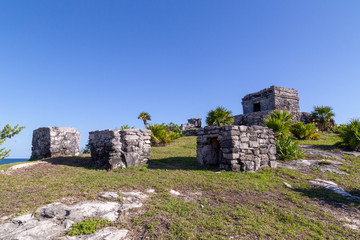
point(219, 116)
point(6, 133)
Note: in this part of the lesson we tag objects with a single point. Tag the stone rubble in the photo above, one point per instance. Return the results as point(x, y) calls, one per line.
point(120, 148)
point(55, 141)
point(236, 148)
point(333, 187)
point(189, 129)
point(53, 220)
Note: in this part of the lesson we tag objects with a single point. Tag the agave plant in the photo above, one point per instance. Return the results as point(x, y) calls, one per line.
point(323, 116)
point(220, 116)
point(287, 149)
point(145, 117)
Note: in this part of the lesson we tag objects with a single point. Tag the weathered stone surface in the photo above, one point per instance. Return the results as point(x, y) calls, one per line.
point(55, 219)
point(190, 128)
point(257, 106)
point(236, 147)
point(120, 148)
point(55, 141)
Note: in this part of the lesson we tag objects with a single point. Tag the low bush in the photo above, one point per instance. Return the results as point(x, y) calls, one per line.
point(305, 131)
point(162, 133)
point(350, 134)
point(280, 123)
point(287, 149)
point(88, 226)
point(125, 126)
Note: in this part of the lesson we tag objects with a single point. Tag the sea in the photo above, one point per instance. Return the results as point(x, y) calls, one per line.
point(12, 160)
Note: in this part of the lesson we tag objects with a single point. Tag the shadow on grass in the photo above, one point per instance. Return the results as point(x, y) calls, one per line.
point(178, 163)
point(83, 162)
point(330, 197)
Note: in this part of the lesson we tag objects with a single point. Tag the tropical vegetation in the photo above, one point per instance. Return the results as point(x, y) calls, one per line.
point(219, 116)
point(350, 134)
point(145, 117)
point(323, 117)
point(6, 133)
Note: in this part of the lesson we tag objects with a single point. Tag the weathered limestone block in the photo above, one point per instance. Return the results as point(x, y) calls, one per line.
point(236, 148)
point(120, 148)
point(55, 141)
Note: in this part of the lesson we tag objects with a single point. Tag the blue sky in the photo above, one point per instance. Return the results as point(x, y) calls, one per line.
point(97, 64)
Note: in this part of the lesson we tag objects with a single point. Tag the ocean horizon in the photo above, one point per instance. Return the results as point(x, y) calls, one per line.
point(12, 160)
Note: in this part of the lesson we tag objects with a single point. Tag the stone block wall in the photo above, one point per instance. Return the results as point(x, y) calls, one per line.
point(257, 118)
point(270, 99)
point(55, 141)
point(190, 128)
point(236, 148)
point(120, 148)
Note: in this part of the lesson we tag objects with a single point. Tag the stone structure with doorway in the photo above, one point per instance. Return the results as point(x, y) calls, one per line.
point(236, 148)
point(120, 148)
point(257, 106)
point(55, 141)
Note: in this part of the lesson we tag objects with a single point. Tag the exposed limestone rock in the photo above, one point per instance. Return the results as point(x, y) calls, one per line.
point(53, 220)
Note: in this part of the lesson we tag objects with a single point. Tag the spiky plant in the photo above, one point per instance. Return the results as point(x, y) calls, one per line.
point(280, 122)
point(145, 117)
point(350, 134)
point(323, 117)
point(220, 116)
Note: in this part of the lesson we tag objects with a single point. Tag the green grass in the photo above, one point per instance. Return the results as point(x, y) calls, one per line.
point(88, 226)
point(213, 204)
point(328, 141)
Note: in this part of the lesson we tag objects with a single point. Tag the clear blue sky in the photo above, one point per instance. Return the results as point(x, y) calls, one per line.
point(96, 65)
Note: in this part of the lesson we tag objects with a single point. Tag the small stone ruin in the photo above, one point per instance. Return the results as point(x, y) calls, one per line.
point(236, 148)
point(257, 106)
point(189, 129)
point(120, 148)
point(55, 141)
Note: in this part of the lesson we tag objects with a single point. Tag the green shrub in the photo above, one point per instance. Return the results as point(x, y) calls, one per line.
point(220, 116)
point(350, 134)
point(287, 149)
point(88, 226)
point(280, 122)
point(323, 116)
point(125, 126)
point(304, 131)
point(175, 130)
point(160, 134)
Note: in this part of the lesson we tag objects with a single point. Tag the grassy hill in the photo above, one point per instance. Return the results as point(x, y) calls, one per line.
point(212, 204)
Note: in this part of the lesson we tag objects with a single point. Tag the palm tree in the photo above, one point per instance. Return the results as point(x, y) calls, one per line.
point(219, 116)
point(279, 122)
point(323, 116)
point(145, 117)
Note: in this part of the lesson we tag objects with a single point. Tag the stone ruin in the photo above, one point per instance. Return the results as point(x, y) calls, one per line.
point(120, 148)
point(236, 148)
point(189, 129)
point(55, 141)
point(257, 106)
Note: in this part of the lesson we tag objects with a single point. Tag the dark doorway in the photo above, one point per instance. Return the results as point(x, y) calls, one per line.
point(257, 107)
point(214, 154)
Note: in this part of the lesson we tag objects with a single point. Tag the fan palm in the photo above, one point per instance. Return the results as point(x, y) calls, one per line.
point(279, 122)
point(323, 116)
point(219, 116)
point(145, 117)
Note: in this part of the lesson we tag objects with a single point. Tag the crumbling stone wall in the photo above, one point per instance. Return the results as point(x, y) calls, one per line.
point(257, 118)
point(120, 148)
point(236, 147)
point(190, 128)
point(55, 141)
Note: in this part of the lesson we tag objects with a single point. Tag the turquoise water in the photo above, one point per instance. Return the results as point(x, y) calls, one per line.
point(12, 160)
